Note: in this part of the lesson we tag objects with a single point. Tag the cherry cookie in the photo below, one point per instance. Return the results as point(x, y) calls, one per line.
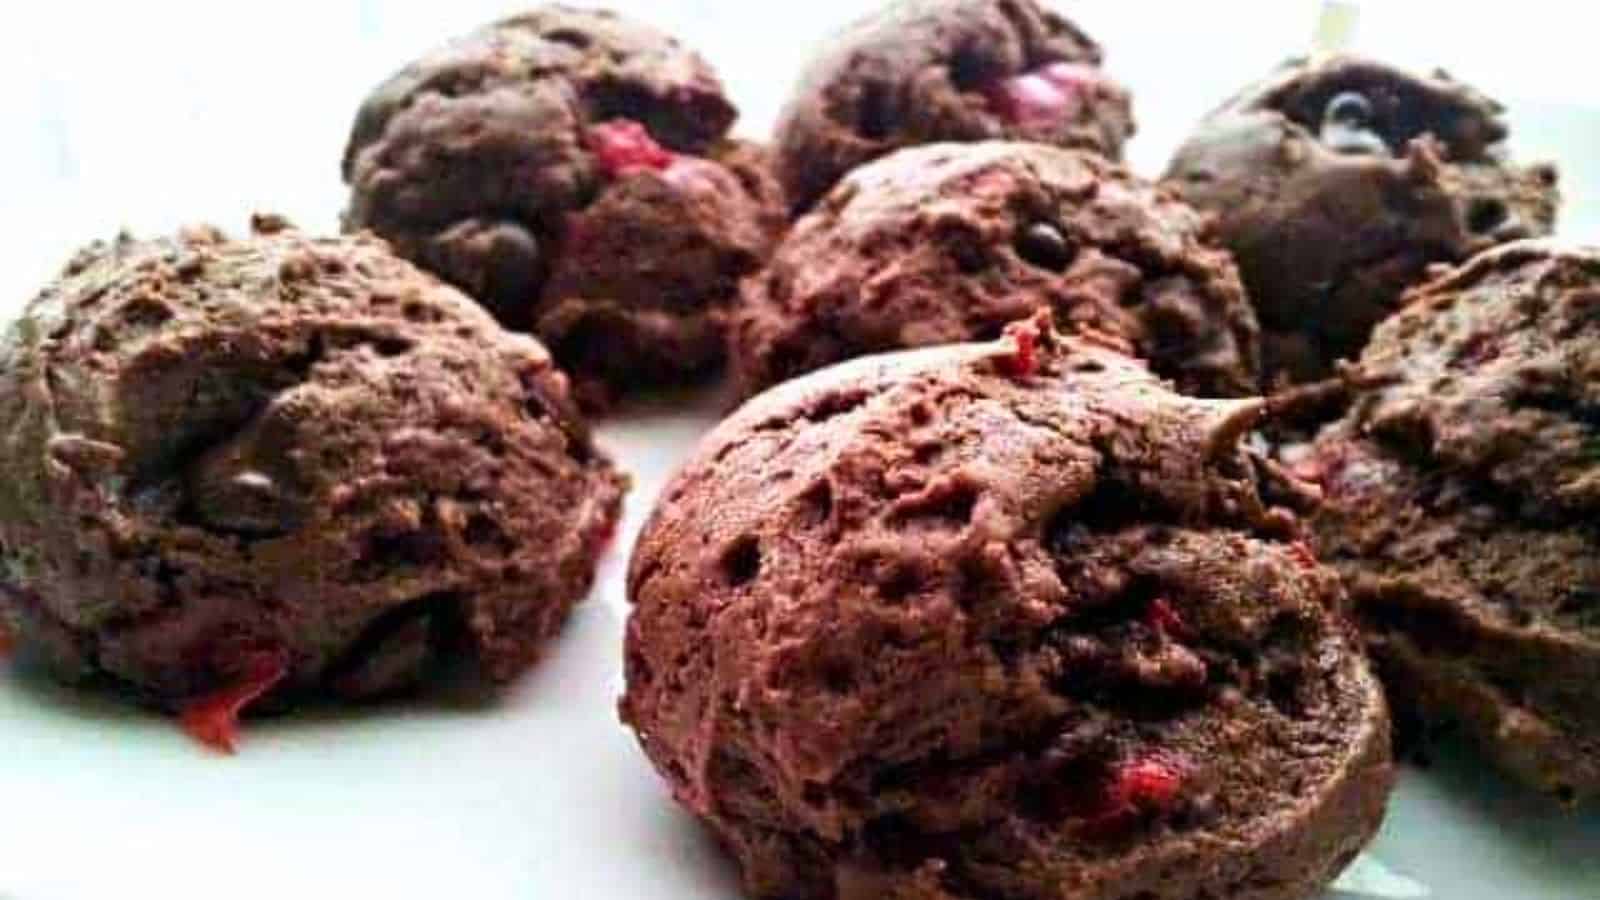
point(988, 620)
point(923, 71)
point(950, 242)
point(570, 170)
point(253, 470)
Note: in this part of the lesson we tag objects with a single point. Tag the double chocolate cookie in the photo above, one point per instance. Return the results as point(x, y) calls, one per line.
point(924, 71)
point(286, 465)
point(950, 242)
point(1003, 620)
point(1338, 181)
point(1462, 505)
point(569, 169)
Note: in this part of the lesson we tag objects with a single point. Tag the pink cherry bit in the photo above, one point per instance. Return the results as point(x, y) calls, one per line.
point(622, 146)
point(1045, 95)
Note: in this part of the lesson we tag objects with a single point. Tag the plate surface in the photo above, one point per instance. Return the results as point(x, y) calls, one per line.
point(540, 792)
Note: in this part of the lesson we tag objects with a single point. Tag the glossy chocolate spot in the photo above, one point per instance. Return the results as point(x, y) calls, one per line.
point(1485, 215)
point(1042, 244)
point(1348, 127)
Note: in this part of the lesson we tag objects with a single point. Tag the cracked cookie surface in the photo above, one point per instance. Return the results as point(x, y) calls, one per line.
point(987, 620)
point(218, 451)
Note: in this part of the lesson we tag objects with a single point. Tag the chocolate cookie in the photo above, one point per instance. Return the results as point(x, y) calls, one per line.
point(285, 464)
point(1462, 502)
point(1337, 181)
point(994, 620)
point(568, 169)
point(950, 242)
point(924, 71)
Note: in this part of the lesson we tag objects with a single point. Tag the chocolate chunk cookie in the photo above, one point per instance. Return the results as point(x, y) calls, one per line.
point(950, 242)
point(924, 71)
point(568, 168)
point(1462, 502)
point(284, 464)
point(1337, 181)
point(990, 620)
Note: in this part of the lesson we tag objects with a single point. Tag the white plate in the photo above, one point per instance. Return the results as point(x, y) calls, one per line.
point(162, 112)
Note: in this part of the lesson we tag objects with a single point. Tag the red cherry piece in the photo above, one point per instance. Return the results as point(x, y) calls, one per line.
point(623, 146)
point(8, 641)
point(213, 720)
point(1149, 784)
point(1025, 361)
point(1045, 95)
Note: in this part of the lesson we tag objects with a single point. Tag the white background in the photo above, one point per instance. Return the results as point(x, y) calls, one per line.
point(148, 115)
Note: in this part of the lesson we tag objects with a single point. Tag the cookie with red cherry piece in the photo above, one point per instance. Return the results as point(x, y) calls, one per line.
point(945, 243)
point(923, 71)
point(988, 620)
point(570, 169)
point(1338, 181)
point(256, 470)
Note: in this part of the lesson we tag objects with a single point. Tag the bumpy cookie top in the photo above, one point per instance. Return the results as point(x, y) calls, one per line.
point(283, 444)
point(950, 242)
point(1461, 500)
point(566, 168)
point(469, 159)
point(993, 607)
point(1493, 373)
point(588, 65)
point(921, 71)
point(1338, 180)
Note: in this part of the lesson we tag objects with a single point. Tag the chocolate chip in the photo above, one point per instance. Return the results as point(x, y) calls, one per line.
point(1486, 214)
point(1042, 244)
point(1347, 125)
point(1349, 108)
point(232, 489)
